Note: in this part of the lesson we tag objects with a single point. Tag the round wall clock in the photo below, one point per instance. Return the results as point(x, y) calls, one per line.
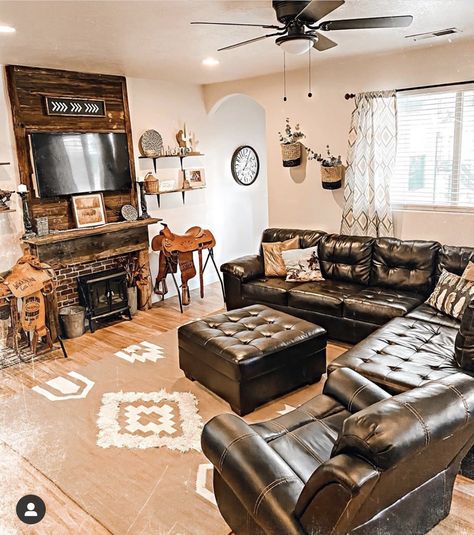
point(245, 165)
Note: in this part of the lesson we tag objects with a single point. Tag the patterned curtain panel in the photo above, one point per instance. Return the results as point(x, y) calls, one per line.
point(371, 159)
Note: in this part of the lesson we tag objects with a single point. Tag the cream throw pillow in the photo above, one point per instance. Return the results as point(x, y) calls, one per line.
point(468, 273)
point(272, 259)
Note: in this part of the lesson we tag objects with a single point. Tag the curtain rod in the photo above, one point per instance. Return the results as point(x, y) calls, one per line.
point(348, 96)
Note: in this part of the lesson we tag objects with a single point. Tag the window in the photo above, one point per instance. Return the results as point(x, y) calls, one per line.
point(435, 149)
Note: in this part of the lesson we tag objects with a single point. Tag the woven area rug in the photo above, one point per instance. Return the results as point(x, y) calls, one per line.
point(121, 437)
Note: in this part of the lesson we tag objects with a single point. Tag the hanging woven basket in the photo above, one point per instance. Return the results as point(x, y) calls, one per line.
point(291, 154)
point(332, 177)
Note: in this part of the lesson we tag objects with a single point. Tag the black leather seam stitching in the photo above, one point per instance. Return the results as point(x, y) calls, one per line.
point(356, 393)
point(226, 449)
point(281, 430)
point(463, 401)
point(268, 489)
point(316, 419)
point(418, 416)
point(302, 444)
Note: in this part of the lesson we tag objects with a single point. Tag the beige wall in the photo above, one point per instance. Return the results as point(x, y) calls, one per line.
point(236, 214)
point(10, 222)
point(296, 198)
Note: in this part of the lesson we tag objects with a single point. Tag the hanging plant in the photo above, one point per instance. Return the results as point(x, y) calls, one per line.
point(332, 169)
point(291, 146)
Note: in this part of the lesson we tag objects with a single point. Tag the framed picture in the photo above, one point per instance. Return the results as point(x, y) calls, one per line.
point(195, 177)
point(89, 210)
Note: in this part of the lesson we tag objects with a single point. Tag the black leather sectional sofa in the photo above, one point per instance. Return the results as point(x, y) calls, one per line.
point(368, 281)
point(373, 295)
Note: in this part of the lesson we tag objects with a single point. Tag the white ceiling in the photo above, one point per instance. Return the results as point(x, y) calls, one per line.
point(153, 39)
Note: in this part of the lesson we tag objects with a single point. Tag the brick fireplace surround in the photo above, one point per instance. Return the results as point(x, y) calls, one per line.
point(79, 252)
point(66, 277)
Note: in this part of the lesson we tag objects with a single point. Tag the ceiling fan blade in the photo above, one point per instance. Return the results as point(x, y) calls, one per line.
point(323, 43)
point(241, 24)
point(242, 43)
point(364, 24)
point(318, 9)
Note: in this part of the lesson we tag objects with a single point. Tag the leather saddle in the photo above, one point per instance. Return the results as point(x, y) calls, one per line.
point(177, 249)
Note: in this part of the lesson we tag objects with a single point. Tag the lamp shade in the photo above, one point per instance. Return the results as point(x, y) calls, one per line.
point(295, 45)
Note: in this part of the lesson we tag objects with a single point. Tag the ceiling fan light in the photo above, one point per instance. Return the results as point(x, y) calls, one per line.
point(296, 45)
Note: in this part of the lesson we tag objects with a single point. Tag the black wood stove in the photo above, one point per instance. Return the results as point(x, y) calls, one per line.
point(104, 294)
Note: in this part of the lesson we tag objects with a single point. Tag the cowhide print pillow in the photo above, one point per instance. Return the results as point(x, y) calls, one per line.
point(452, 294)
point(468, 273)
point(272, 259)
point(302, 265)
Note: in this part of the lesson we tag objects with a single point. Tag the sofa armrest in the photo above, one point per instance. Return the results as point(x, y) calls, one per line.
point(333, 494)
point(256, 474)
point(245, 268)
point(353, 390)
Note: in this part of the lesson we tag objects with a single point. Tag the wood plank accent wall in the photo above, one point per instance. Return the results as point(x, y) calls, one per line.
point(27, 87)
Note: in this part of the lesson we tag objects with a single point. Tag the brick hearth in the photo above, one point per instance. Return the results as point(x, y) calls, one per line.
point(66, 278)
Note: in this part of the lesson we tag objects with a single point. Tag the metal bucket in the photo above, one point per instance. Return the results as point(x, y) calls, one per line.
point(72, 319)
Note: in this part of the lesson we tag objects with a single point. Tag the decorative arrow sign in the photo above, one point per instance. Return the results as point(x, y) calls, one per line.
point(74, 106)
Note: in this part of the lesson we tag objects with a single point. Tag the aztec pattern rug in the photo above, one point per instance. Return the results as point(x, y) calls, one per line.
point(121, 438)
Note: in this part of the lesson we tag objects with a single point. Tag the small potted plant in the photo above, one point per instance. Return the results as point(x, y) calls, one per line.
point(135, 273)
point(291, 145)
point(332, 169)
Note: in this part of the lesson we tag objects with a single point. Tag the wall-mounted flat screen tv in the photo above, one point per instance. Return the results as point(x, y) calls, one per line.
point(70, 163)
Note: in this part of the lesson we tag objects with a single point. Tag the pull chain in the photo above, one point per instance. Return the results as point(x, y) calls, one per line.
point(284, 77)
point(310, 94)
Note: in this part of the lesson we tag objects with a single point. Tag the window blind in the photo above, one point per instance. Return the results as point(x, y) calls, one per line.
point(435, 149)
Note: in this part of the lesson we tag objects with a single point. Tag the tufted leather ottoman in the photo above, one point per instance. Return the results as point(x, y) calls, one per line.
point(252, 355)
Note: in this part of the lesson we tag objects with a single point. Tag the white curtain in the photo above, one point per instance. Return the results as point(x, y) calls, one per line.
point(370, 160)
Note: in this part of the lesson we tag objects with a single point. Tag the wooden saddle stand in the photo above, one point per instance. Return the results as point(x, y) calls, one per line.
point(178, 249)
point(31, 281)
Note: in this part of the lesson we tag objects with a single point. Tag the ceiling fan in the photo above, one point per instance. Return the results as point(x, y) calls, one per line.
point(299, 25)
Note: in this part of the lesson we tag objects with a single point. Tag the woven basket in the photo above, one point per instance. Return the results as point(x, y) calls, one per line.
point(331, 177)
point(151, 183)
point(291, 154)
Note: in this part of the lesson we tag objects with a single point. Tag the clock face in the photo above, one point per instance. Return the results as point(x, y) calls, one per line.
point(245, 165)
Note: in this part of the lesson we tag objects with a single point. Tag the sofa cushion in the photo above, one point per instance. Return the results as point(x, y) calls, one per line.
point(468, 273)
point(454, 259)
point(346, 258)
point(308, 238)
point(267, 290)
point(379, 305)
point(302, 265)
point(272, 256)
point(403, 354)
point(404, 265)
point(324, 297)
point(425, 312)
point(305, 437)
point(464, 344)
point(452, 294)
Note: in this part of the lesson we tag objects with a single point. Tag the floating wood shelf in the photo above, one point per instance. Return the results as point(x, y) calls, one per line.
point(170, 156)
point(181, 156)
point(73, 234)
point(4, 163)
point(182, 191)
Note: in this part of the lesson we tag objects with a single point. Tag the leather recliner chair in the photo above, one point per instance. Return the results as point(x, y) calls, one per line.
point(351, 460)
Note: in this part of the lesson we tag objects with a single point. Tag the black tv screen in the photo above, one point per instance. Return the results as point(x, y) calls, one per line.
point(70, 163)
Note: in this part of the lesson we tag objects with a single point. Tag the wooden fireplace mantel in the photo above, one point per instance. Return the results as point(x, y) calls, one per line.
point(77, 246)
